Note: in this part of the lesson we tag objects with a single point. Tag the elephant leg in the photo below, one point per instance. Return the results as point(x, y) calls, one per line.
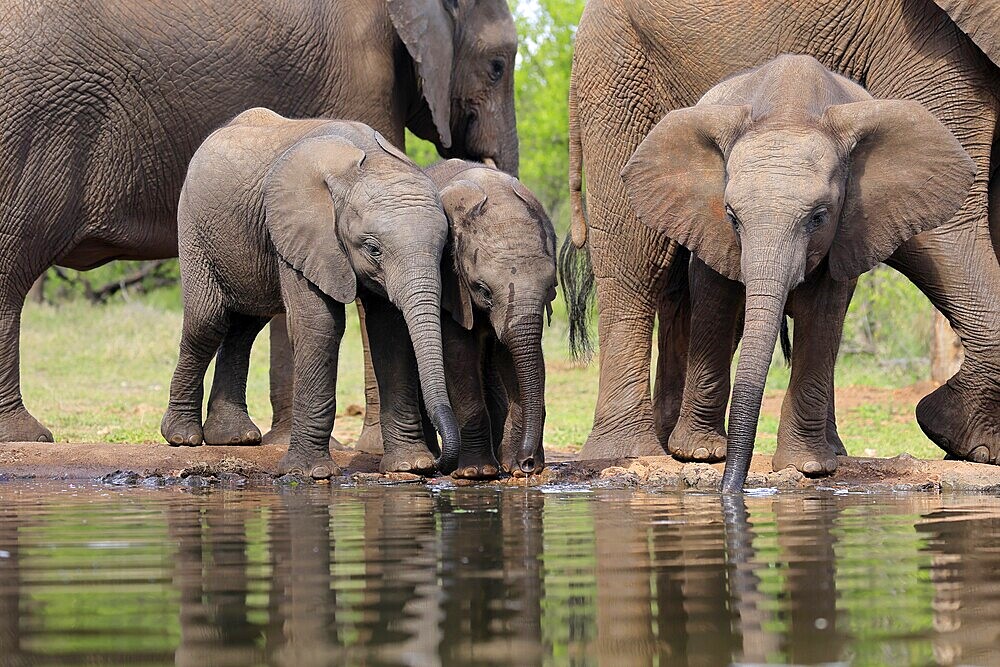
point(228, 422)
point(205, 325)
point(673, 335)
point(496, 394)
point(281, 384)
point(716, 304)
point(371, 433)
point(395, 366)
point(463, 364)
point(956, 267)
point(316, 328)
point(819, 306)
point(16, 423)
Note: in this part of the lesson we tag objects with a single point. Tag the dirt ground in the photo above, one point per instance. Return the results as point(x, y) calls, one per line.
point(154, 465)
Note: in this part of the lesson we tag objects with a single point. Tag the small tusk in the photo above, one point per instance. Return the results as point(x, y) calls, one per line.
point(489, 162)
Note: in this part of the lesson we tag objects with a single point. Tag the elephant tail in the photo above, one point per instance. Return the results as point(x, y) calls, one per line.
point(578, 226)
point(786, 342)
point(576, 274)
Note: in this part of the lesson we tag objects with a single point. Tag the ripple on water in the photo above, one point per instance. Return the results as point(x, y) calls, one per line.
point(567, 575)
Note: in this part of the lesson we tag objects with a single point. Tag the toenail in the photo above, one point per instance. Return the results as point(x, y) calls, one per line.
point(177, 440)
point(720, 452)
point(700, 453)
point(320, 472)
point(811, 467)
point(403, 467)
point(489, 470)
point(980, 454)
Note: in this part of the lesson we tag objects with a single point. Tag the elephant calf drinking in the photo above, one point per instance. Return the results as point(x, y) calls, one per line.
point(499, 280)
point(301, 217)
point(793, 181)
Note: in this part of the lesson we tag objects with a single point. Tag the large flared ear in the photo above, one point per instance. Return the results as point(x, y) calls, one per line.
point(427, 29)
point(907, 174)
point(980, 20)
point(676, 181)
point(463, 202)
point(302, 216)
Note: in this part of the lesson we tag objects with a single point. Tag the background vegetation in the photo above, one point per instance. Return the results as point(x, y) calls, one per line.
point(102, 372)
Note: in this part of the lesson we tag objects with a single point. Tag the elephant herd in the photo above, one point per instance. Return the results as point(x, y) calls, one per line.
point(728, 186)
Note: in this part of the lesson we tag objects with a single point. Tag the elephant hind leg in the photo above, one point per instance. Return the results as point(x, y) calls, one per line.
point(16, 423)
point(228, 422)
point(205, 325)
point(673, 336)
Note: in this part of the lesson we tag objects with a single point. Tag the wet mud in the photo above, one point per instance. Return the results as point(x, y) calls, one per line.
point(154, 465)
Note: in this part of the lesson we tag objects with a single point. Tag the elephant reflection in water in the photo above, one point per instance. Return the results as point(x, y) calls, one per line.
point(965, 571)
point(210, 573)
point(706, 585)
point(491, 547)
point(10, 588)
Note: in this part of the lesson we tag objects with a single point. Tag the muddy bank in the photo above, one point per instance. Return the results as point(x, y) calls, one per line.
point(153, 465)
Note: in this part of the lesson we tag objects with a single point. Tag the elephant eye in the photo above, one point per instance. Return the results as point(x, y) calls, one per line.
point(496, 69)
point(372, 249)
point(733, 220)
point(484, 293)
point(816, 220)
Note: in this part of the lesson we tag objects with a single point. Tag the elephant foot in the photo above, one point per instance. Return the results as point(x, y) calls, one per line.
point(181, 430)
point(280, 433)
point(962, 423)
point(477, 466)
point(626, 441)
point(811, 459)
point(417, 460)
point(510, 464)
point(370, 440)
point(20, 426)
point(310, 463)
point(230, 425)
point(690, 444)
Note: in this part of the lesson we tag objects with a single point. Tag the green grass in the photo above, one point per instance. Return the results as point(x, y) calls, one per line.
point(102, 373)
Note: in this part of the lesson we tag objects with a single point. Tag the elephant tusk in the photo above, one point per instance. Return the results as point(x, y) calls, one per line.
point(490, 162)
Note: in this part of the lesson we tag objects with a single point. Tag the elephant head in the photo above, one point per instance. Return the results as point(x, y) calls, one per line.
point(343, 208)
point(788, 167)
point(463, 52)
point(503, 247)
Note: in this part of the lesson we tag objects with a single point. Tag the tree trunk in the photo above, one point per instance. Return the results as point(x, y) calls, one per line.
point(946, 350)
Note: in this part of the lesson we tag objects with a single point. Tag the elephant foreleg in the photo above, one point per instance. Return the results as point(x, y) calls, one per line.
point(228, 422)
point(819, 306)
point(716, 303)
point(463, 365)
point(316, 328)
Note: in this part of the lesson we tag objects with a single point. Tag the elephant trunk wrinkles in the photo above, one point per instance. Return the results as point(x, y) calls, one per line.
point(524, 341)
point(765, 306)
point(418, 297)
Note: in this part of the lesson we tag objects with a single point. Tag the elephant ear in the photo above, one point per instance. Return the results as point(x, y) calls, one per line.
point(676, 181)
point(907, 174)
point(301, 214)
point(427, 30)
point(463, 202)
point(980, 20)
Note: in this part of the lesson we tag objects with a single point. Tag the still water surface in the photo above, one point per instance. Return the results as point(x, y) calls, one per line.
point(418, 576)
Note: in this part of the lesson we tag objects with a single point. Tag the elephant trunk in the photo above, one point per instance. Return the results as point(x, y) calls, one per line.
point(523, 339)
point(765, 306)
point(418, 296)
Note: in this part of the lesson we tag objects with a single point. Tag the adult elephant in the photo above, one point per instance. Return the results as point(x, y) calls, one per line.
point(105, 102)
point(664, 56)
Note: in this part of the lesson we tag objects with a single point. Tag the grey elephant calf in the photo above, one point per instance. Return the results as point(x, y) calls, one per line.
point(499, 279)
point(793, 181)
point(300, 217)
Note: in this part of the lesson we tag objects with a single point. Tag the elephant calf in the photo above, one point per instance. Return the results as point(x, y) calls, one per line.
point(499, 280)
point(793, 181)
point(301, 217)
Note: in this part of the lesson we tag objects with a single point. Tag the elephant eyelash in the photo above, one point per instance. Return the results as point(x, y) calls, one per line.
point(816, 219)
point(733, 220)
point(485, 293)
point(372, 249)
point(497, 67)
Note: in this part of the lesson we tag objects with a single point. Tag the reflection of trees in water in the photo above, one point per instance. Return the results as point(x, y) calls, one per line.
point(965, 570)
